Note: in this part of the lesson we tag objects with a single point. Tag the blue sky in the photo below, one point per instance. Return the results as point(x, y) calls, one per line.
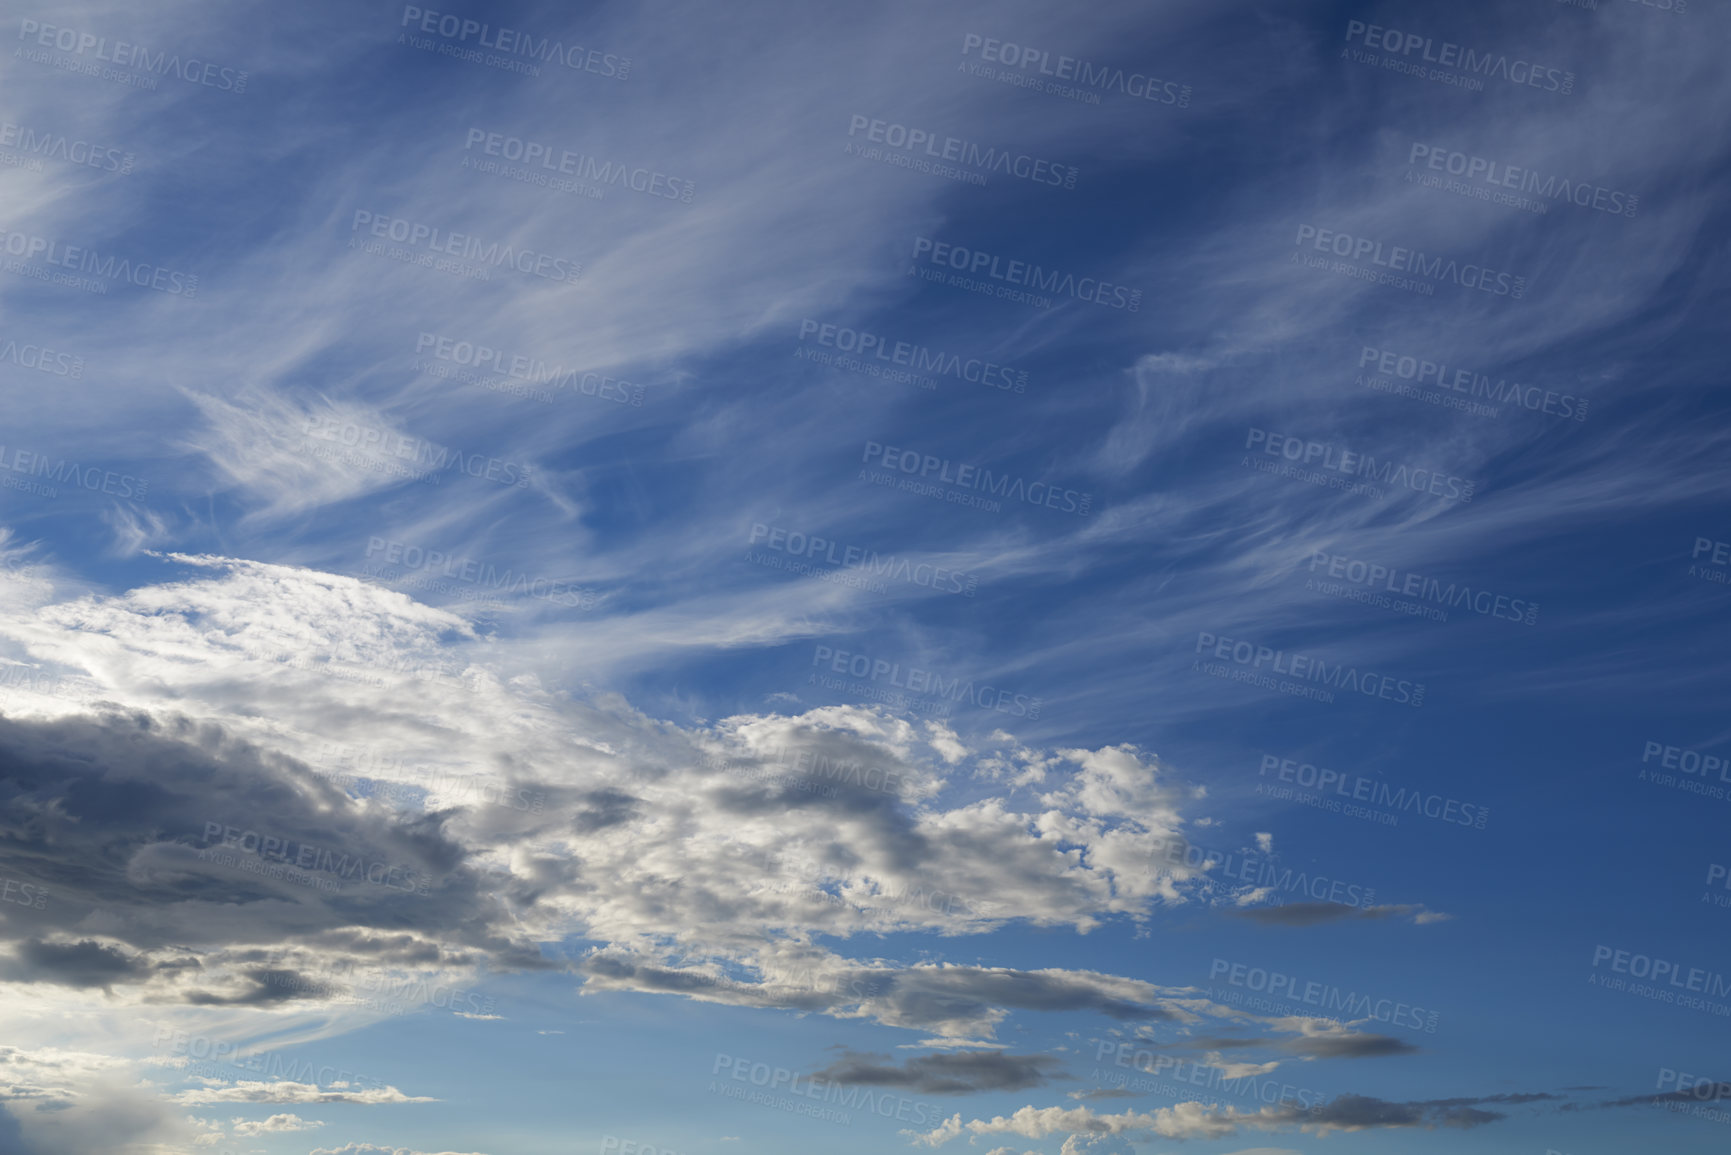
point(666, 579)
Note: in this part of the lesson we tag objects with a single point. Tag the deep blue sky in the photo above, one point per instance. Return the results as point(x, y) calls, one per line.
point(421, 495)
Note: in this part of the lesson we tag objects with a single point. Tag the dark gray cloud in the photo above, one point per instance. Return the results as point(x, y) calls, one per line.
point(1345, 1045)
point(85, 963)
point(1699, 1093)
point(960, 1073)
point(1348, 1046)
point(1351, 1112)
point(162, 827)
point(271, 986)
point(604, 808)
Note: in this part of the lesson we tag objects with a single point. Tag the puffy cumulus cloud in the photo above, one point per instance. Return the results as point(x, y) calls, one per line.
point(276, 1123)
point(245, 704)
point(266, 779)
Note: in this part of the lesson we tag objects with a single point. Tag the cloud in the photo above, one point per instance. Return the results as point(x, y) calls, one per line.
point(1183, 1121)
point(1195, 1120)
point(286, 1091)
point(85, 963)
point(945, 1074)
point(375, 1149)
point(759, 821)
point(1346, 1044)
point(276, 1123)
point(1315, 913)
point(703, 861)
point(1700, 1093)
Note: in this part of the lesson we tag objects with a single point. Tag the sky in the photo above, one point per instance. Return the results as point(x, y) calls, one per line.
point(650, 578)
